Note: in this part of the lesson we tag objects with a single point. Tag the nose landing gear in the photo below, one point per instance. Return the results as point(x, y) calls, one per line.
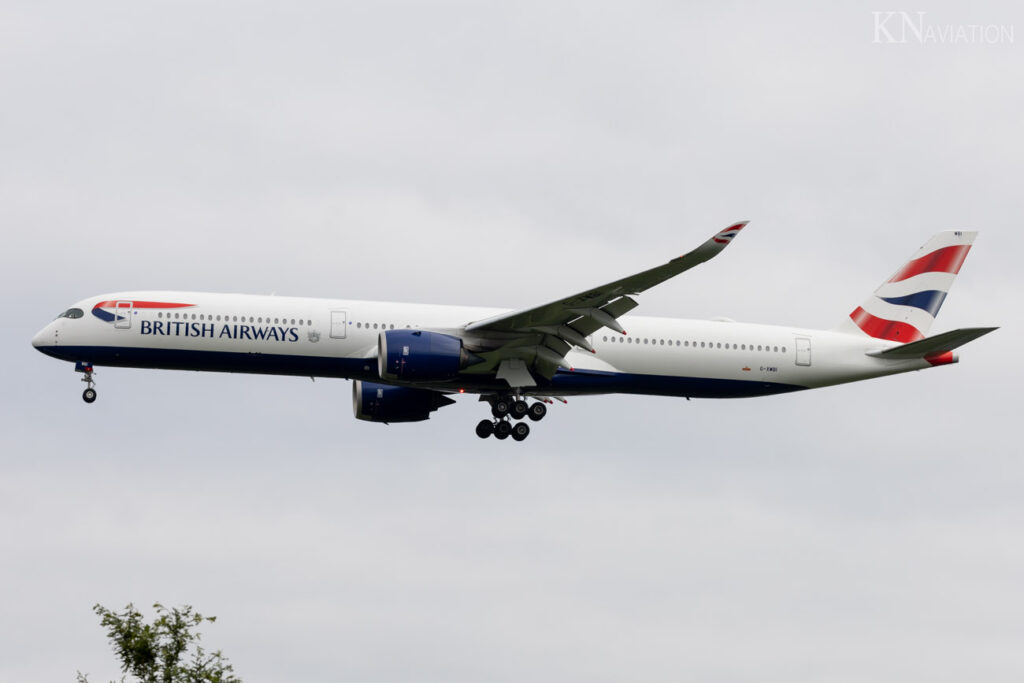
point(89, 395)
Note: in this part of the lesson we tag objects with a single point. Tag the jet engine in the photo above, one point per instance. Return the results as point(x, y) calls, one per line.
point(421, 356)
point(383, 403)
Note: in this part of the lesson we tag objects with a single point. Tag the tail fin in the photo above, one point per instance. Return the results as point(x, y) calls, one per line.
point(904, 307)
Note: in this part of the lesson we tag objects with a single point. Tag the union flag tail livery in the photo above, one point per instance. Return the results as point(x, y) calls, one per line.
point(409, 360)
point(904, 307)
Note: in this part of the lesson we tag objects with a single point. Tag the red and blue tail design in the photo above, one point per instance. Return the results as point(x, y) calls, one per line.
point(905, 306)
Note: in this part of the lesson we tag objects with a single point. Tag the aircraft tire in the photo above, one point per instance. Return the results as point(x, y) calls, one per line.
point(484, 428)
point(520, 431)
point(502, 430)
point(89, 395)
point(518, 410)
point(500, 408)
point(537, 411)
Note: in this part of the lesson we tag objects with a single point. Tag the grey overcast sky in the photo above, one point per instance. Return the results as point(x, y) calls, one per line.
point(504, 154)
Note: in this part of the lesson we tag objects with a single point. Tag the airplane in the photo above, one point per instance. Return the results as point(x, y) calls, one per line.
point(409, 360)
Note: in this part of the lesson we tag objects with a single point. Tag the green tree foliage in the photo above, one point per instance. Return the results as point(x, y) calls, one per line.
point(165, 651)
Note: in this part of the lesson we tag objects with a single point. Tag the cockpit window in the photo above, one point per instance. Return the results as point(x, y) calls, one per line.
point(72, 313)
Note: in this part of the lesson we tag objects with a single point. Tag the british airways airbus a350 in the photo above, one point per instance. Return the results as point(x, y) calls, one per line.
point(407, 360)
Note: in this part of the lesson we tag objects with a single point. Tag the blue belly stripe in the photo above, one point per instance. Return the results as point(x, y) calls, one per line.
point(565, 382)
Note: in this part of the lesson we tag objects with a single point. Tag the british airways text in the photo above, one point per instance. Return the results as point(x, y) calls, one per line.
point(188, 329)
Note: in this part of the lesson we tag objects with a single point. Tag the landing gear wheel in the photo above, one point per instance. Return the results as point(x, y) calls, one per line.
point(89, 395)
point(484, 428)
point(538, 411)
point(502, 430)
point(520, 431)
point(518, 410)
point(500, 408)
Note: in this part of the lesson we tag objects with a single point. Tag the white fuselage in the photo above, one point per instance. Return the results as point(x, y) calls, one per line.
point(339, 338)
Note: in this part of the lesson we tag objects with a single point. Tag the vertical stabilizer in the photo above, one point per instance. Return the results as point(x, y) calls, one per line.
point(904, 307)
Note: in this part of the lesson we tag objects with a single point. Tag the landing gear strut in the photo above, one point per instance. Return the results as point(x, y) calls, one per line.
point(89, 395)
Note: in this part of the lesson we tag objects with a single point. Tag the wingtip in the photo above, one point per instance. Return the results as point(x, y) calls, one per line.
point(723, 237)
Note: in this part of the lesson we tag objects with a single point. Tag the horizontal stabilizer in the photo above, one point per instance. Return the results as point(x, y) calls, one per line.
point(934, 346)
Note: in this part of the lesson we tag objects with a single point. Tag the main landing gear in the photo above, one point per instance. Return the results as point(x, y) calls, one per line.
point(89, 395)
point(505, 410)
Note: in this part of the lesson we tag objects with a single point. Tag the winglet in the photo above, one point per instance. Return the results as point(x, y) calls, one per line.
point(719, 241)
point(725, 236)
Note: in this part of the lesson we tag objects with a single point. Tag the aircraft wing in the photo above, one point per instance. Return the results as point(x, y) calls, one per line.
point(539, 337)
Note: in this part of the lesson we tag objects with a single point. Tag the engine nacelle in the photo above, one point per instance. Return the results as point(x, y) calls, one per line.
point(421, 356)
point(383, 403)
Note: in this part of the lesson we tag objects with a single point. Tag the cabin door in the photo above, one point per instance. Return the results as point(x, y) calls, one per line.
point(123, 315)
point(803, 351)
point(339, 324)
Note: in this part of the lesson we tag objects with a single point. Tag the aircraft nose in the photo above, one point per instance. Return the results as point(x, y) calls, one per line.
point(43, 337)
